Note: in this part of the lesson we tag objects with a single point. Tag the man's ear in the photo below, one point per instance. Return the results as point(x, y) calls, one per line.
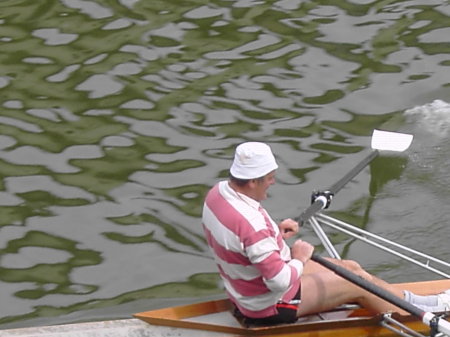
point(252, 182)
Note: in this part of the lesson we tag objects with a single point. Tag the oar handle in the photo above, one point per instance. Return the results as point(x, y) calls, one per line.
point(426, 317)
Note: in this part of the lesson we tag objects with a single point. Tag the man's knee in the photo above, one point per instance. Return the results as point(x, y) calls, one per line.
point(352, 265)
point(356, 268)
point(348, 264)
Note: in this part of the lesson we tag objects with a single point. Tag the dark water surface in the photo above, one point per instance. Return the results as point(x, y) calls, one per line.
point(118, 115)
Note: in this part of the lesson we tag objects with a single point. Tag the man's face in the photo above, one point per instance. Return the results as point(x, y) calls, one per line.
point(261, 185)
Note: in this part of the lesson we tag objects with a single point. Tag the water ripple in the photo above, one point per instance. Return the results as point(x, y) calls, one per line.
point(117, 117)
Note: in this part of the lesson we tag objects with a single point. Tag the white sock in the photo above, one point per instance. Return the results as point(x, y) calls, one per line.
point(426, 303)
point(430, 300)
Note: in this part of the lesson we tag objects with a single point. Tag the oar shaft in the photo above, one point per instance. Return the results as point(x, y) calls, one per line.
point(319, 203)
point(315, 207)
point(353, 173)
point(381, 140)
point(369, 286)
point(426, 317)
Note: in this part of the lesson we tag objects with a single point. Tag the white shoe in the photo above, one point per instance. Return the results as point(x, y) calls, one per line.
point(444, 301)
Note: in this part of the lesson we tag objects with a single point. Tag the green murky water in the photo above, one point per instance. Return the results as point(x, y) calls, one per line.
point(118, 115)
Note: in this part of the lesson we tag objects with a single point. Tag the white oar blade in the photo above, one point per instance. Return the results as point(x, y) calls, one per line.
point(391, 141)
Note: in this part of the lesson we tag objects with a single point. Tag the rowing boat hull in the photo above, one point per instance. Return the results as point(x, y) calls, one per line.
point(138, 328)
point(215, 316)
point(212, 319)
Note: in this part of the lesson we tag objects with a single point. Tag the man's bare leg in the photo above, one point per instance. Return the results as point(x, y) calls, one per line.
point(324, 290)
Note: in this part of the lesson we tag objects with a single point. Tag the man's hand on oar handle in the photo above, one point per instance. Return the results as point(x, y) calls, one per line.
point(302, 250)
point(288, 228)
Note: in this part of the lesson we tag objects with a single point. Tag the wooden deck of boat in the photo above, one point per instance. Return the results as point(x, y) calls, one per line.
point(215, 316)
point(138, 328)
point(214, 319)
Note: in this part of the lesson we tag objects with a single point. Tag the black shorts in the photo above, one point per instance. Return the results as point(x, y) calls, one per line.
point(287, 313)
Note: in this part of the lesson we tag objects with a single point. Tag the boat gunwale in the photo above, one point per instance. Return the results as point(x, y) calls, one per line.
point(178, 316)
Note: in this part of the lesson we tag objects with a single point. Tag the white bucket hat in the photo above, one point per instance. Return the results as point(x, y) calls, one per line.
point(252, 160)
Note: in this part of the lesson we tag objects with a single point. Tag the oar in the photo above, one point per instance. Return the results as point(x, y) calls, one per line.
point(381, 141)
point(428, 318)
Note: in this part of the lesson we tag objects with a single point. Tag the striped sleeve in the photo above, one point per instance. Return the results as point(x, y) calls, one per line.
point(278, 275)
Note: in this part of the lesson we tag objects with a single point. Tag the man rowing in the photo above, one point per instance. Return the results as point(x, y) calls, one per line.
point(268, 282)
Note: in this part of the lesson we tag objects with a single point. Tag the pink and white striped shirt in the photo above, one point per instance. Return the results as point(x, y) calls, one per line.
point(253, 259)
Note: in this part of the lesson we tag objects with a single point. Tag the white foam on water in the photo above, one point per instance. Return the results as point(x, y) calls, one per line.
point(433, 117)
point(429, 158)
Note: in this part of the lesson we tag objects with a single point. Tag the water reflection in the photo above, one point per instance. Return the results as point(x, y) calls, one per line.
point(117, 117)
